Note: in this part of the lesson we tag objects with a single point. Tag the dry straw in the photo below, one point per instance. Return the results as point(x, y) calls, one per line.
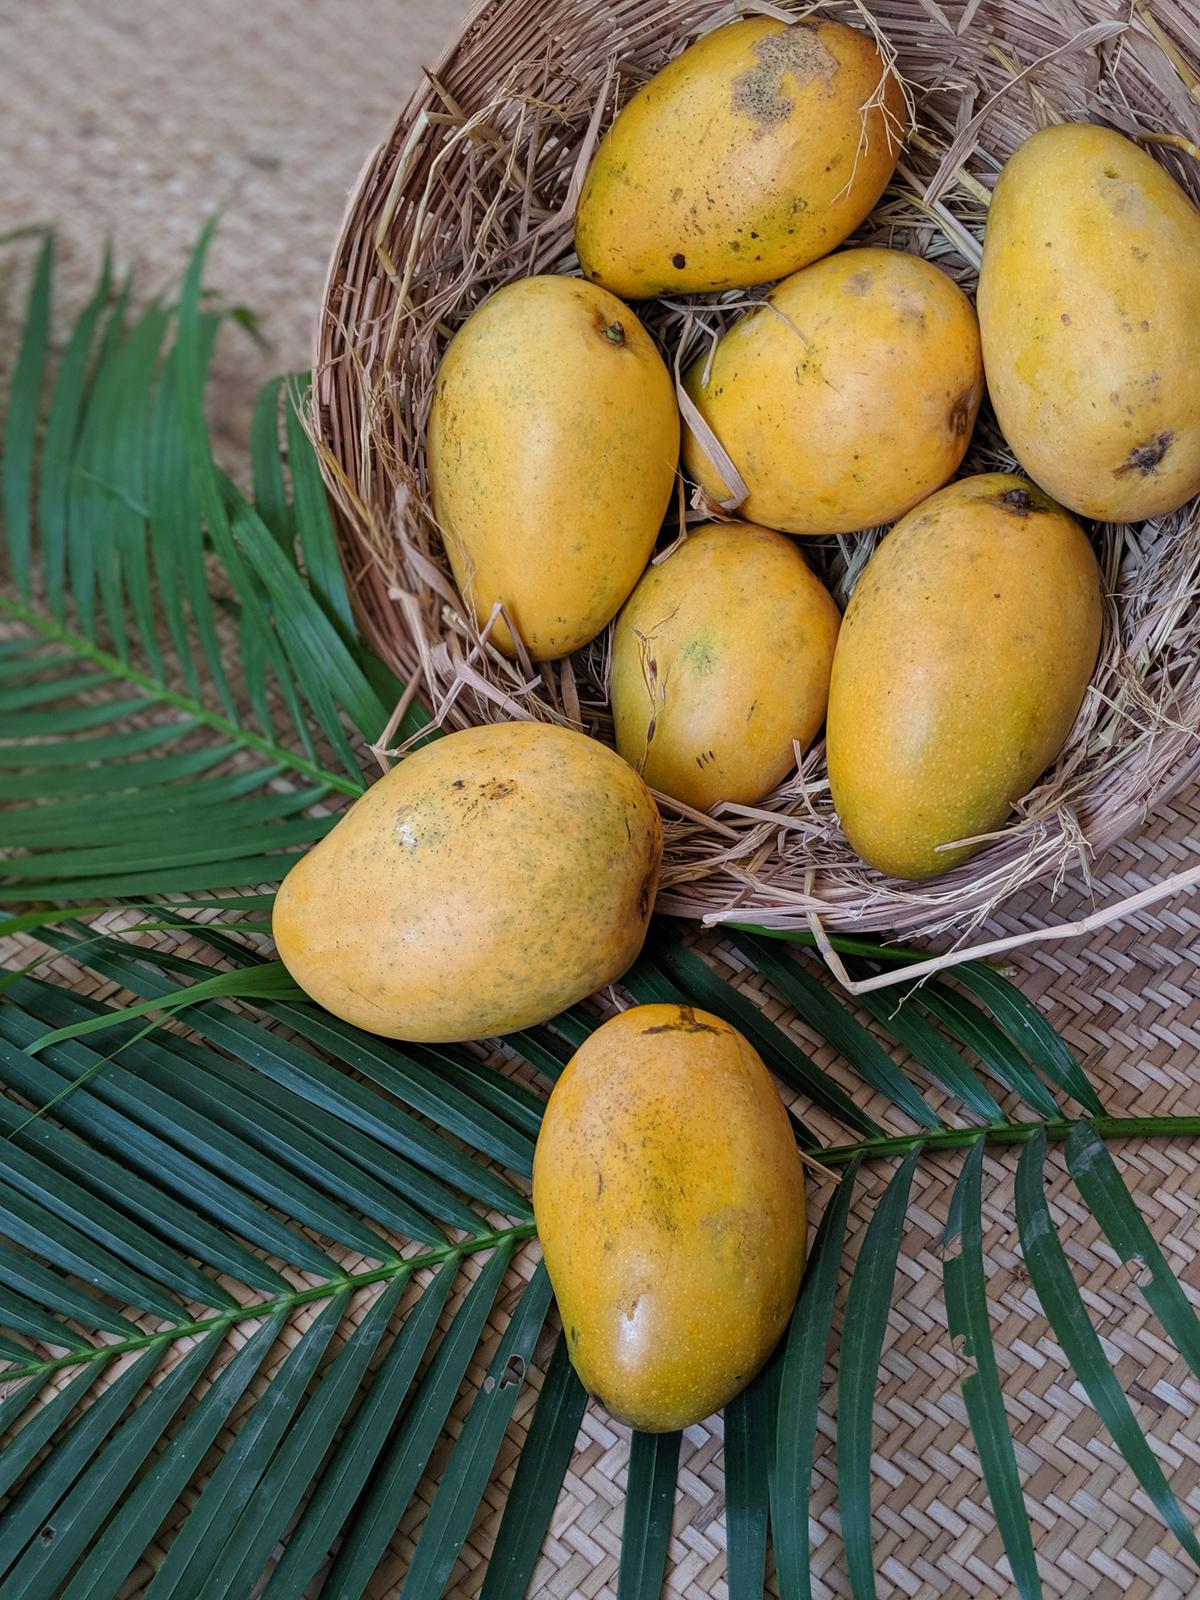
point(477, 186)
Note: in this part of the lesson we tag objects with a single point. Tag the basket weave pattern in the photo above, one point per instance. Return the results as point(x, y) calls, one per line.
point(477, 185)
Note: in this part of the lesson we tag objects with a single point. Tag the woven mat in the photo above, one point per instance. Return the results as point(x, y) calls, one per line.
point(138, 120)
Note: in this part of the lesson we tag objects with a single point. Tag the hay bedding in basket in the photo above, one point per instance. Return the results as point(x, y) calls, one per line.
point(477, 186)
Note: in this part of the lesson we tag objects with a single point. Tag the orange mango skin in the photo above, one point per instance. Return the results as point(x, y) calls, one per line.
point(491, 879)
point(744, 158)
point(669, 1200)
point(552, 447)
point(847, 398)
point(721, 662)
point(962, 661)
point(1089, 306)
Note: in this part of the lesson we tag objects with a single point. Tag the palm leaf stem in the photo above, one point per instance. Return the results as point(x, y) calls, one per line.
point(258, 1309)
point(82, 647)
point(1182, 1127)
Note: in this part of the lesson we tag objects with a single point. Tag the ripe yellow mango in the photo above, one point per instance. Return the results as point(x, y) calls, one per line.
point(844, 399)
point(552, 447)
point(963, 658)
point(669, 1200)
point(489, 880)
point(758, 149)
point(720, 665)
point(1089, 305)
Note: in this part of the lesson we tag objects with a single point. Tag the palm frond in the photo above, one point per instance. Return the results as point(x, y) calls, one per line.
point(142, 770)
point(280, 1239)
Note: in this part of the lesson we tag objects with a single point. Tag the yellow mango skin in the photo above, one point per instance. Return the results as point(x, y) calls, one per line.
point(847, 398)
point(743, 159)
point(552, 447)
point(1089, 305)
point(962, 661)
point(669, 1200)
point(492, 878)
point(721, 659)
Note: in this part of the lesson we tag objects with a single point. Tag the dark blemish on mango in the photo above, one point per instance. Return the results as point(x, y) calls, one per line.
point(686, 1022)
point(678, 260)
point(1138, 253)
point(960, 413)
point(459, 783)
point(493, 789)
point(1065, 320)
point(1145, 458)
point(1018, 501)
point(857, 283)
point(1111, 172)
point(797, 53)
point(644, 895)
point(573, 1334)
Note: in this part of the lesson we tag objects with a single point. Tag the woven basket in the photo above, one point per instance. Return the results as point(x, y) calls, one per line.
point(476, 185)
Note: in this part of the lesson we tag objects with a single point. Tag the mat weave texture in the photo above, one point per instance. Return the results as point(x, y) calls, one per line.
point(137, 120)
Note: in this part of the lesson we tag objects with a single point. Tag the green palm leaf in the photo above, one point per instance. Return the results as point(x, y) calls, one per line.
point(125, 500)
point(646, 1532)
point(538, 1481)
point(967, 1312)
point(858, 1370)
point(180, 1207)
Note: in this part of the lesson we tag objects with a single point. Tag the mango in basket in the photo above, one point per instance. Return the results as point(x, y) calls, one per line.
point(669, 1200)
point(1089, 304)
point(846, 398)
point(720, 667)
point(961, 664)
point(758, 149)
point(491, 879)
point(552, 447)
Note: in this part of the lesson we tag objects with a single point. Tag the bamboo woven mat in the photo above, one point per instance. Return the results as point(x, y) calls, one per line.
point(137, 119)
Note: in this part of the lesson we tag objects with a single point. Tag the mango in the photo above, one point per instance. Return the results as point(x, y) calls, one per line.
point(1089, 305)
point(844, 399)
point(491, 879)
point(720, 665)
point(759, 148)
point(962, 661)
point(669, 1200)
point(552, 447)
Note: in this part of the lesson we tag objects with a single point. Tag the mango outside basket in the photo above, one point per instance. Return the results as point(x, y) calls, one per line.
point(476, 185)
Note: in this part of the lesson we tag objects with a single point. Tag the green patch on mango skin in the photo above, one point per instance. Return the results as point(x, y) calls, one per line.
point(699, 654)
